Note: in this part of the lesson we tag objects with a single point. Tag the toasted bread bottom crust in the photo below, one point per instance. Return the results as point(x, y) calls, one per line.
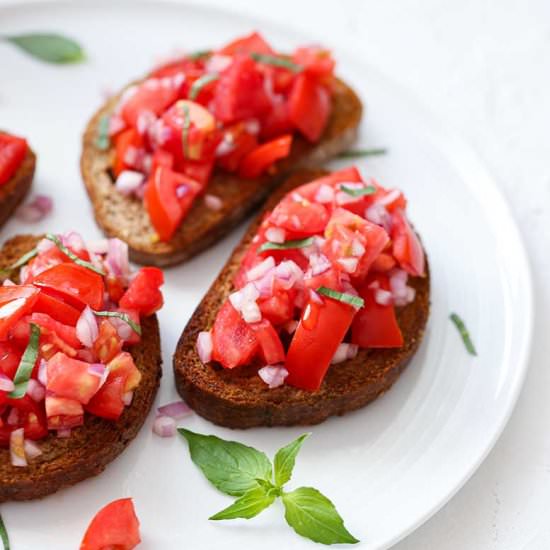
point(92, 446)
point(238, 398)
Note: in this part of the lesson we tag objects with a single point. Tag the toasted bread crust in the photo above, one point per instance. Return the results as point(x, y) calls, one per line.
point(238, 398)
point(127, 219)
point(92, 446)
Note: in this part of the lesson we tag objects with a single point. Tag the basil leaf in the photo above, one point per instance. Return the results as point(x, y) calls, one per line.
point(354, 153)
point(123, 316)
point(230, 466)
point(360, 192)
point(299, 243)
point(19, 263)
point(4, 535)
point(312, 515)
point(276, 61)
point(253, 502)
point(199, 54)
point(461, 327)
point(285, 459)
point(200, 83)
point(26, 365)
point(57, 241)
point(350, 299)
point(103, 142)
point(52, 48)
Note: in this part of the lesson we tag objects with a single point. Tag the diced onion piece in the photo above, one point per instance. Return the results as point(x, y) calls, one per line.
point(325, 194)
point(176, 410)
point(6, 384)
point(291, 326)
point(164, 426)
point(43, 372)
point(344, 352)
point(349, 265)
point(36, 390)
point(383, 297)
point(127, 398)
point(17, 448)
point(275, 235)
point(128, 181)
point(86, 327)
point(32, 450)
point(251, 312)
point(273, 375)
point(205, 346)
point(261, 269)
point(319, 263)
point(213, 202)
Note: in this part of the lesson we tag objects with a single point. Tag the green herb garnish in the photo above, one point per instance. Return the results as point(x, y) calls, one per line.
point(103, 141)
point(123, 316)
point(300, 243)
point(4, 535)
point(185, 130)
point(359, 192)
point(199, 54)
point(459, 324)
point(57, 241)
point(200, 83)
point(355, 153)
point(277, 61)
point(350, 299)
point(26, 365)
point(52, 48)
point(19, 263)
point(245, 472)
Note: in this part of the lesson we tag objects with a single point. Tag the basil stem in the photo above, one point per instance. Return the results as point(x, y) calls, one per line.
point(123, 316)
point(198, 55)
point(26, 366)
point(200, 83)
point(57, 241)
point(19, 263)
point(355, 153)
point(4, 535)
point(461, 327)
point(359, 192)
point(350, 299)
point(300, 243)
point(277, 61)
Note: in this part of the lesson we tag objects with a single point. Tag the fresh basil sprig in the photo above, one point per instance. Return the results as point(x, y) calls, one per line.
point(122, 316)
point(359, 192)
point(200, 83)
point(83, 263)
point(6, 272)
point(300, 243)
point(350, 299)
point(49, 47)
point(355, 153)
point(245, 472)
point(4, 535)
point(463, 331)
point(277, 61)
point(26, 365)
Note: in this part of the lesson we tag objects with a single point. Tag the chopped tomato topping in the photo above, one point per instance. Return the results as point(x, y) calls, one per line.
point(271, 347)
point(262, 157)
point(252, 43)
point(127, 143)
point(12, 153)
point(108, 402)
point(143, 294)
point(15, 301)
point(407, 248)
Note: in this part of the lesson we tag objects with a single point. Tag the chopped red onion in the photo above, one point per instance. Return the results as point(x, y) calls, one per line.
point(127, 398)
point(124, 330)
point(32, 450)
point(36, 390)
point(261, 269)
point(86, 327)
point(86, 355)
point(275, 235)
point(144, 121)
point(35, 210)
point(265, 284)
point(343, 198)
point(64, 433)
point(116, 125)
point(289, 274)
point(218, 63)
point(182, 190)
point(251, 312)
point(99, 246)
point(325, 194)
point(205, 346)
point(273, 375)
point(213, 202)
point(97, 369)
point(129, 181)
point(6, 384)
point(17, 448)
point(315, 297)
point(383, 297)
point(319, 263)
point(116, 260)
point(11, 307)
point(226, 146)
point(43, 372)
point(176, 410)
point(344, 352)
point(377, 213)
point(13, 417)
point(252, 126)
point(291, 326)
point(164, 426)
point(348, 264)
point(8, 282)
point(389, 198)
point(357, 248)
point(402, 294)
point(74, 241)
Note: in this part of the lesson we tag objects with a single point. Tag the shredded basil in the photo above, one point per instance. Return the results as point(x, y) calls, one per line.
point(19, 263)
point(461, 327)
point(300, 243)
point(123, 316)
point(4, 535)
point(200, 83)
point(198, 55)
point(57, 241)
point(359, 192)
point(185, 131)
point(355, 153)
point(277, 61)
point(49, 47)
point(350, 299)
point(103, 141)
point(26, 365)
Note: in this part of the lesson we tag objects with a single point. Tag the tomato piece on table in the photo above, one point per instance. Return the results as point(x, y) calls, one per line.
point(251, 43)
point(75, 283)
point(234, 342)
point(300, 218)
point(12, 153)
point(320, 331)
point(262, 157)
point(108, 402)
point(407, 248)
point(375, 325)
point(123, 143)
point(309, 106)
point(271, 347)
point(143, 294)
point(15, 302)
point(114, 527)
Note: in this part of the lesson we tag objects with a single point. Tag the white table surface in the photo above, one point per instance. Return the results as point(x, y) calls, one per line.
point(483, 67)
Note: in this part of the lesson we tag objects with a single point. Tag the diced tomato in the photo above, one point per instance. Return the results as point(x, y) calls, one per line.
point(316, 61)
point(309, 106)
point(392, 199)
point(31, 417)
point(162, 158)
point(123, 366)
point(384, 263)
point(183, 66)
point(279, 308)
point(12, 153)
point(375, 325)
point(134, 337)
point(252, 43)
point(262, 157)
point(276, 121)
point(242, 143)
point(240, 93)
point(10, 356)
point(66, 332)
point(56, 308)
point(198, 171)
point(331, 278)
point(108, 343)
point(123, 142)
point(35, 424)
point(108, 401)
point(299, 217)
point(168, 198)
point(143, 294)
point(407, 248)
point(15, 302)
point(271, 347)
point(346, 175)
point(320, 331)
point(76, 283)
point(63, 413)
point(234, 341)
point(115, 527)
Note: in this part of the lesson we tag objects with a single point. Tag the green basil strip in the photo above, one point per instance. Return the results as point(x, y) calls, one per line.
point(185, 131)
point(19, 263)
point(355, 153)
point(277, 62)
point(300, 243)
point(103, 142)
point(359, 192)
point(200, 83)
point(4, 535)
point(123, 316)
point(26, 366)
point(52, 48)
point(350, 299)
point(198, 55)
point(57, 241)
point(461, 327)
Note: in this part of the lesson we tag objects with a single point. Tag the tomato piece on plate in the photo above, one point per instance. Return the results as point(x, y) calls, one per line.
point(300, 218)
point(123, 143)
point(309, 106)
point(234, 341)
point(56, 308)
point(108, 343)
point(75, 283)
point(375, 325)
point(320, 331)
point(407, 248)
point(144, 293)
point(251, 43)
point(63, 413)
point(316, 61)
point(271, 347)
point(12, 153)
point(262, 157)
point(114, 527)
point(15, 301)
point(108, 401)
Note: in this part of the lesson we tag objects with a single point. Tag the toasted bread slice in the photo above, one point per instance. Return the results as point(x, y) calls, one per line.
point(92, 446)
point(15, 190)
point(238, 398)
point(127, 219)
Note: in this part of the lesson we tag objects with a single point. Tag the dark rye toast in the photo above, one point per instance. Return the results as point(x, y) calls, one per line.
point(238, 398)
point(126, 218)
point(15, 190)
point(92, 446)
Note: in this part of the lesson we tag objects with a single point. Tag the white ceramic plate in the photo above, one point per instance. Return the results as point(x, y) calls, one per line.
point(387, 467)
